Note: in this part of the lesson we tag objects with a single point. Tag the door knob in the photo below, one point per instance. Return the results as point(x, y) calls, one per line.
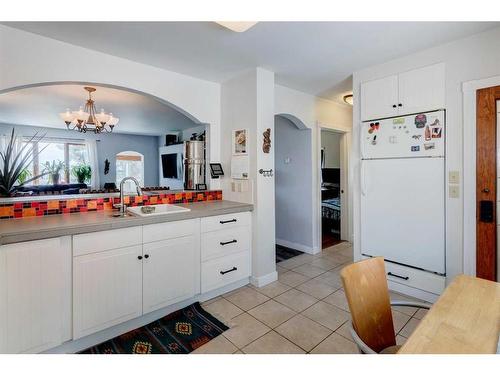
point(486, 190)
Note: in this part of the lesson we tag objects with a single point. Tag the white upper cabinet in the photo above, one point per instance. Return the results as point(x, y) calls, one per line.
point(414, 91)
point(422, 90)
point(379, 98)
point(35, 295)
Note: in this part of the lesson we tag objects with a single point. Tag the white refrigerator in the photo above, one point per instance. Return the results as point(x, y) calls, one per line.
point(403, 190)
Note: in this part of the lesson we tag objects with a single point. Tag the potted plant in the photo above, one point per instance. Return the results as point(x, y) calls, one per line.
point(82, 172)
point(13, 164)
point(54, 170)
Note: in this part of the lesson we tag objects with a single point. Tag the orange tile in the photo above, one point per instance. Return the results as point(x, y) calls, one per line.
point(52, 205)
point(153, 200)
point(29, 212)
point(92, 205)
point(164, 201)
point(7, 211)
point(126, 199)
point(73, 203)
point(178, 196)
point(138, 199)
point(108, 206)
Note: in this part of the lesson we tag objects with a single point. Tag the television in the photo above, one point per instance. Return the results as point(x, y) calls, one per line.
point(169, 165)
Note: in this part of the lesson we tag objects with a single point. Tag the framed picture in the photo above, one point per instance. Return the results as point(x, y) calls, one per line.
point(240, 142)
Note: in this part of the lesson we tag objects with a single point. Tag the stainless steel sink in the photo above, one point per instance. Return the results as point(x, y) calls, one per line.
point(157, 209)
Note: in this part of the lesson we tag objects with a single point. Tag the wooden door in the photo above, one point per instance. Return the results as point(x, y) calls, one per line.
point(107, 289)
point(486, 178)
point(171, 271)
point(421, 90)
point(35, 295)
point(379, 98)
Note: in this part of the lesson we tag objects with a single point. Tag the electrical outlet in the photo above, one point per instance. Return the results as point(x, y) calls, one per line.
point(454, 191)
point(453, 177)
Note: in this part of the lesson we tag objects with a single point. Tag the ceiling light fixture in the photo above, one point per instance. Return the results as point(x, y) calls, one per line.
point(238, 27)
point(86, 119)
point(348, 99)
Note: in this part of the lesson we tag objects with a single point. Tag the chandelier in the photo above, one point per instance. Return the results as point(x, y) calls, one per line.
point(86, 119)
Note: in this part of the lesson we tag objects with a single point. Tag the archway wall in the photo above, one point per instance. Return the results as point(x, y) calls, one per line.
point(27, 59)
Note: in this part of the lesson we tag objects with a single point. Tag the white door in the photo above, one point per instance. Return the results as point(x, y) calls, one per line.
point(171, 272)
point(422, 90)
point(107, 289)
point(402, 211)
point(379, 98)
point(35, 295)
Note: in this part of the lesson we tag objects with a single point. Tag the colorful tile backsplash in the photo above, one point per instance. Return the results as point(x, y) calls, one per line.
point(67, 206)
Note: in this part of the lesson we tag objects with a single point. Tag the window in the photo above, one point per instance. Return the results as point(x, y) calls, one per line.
point(129, 164)
point(71, 153)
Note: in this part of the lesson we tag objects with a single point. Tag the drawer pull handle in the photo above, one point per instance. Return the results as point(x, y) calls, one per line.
point(227, 221)
point(398, 276)
point(231, 270)
point(228, 242)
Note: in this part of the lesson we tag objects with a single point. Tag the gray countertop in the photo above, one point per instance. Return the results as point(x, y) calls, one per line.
point(36, 228)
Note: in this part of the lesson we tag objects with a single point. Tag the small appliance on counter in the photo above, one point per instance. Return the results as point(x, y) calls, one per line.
point(194, 164)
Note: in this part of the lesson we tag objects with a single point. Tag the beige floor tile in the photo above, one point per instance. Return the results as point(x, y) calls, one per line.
point(227, 294)
point(272, 313)
point(247, 298)
point(400, 340)
point(327, 315)
point(208, 302)
point(409, 327)
point(281, 270)
point(272, 343)
point(325, 263)
point(331, 278)
point(340, 258)
point(218, 345)
point(420, 313)
point(338, 299)
point(238, 352)
point(345, 331)
point(273, 289)
point(408, 310)
point(292, 278)
point(316, 288)
point(303, 332)
point(245, 329)
point(295, 261)
point(309, 270)
point(296, 300)
point(335, 344)
point(223, 309)
point(399, 320)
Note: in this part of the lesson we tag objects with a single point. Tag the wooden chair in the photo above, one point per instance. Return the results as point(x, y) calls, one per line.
point(365, 286)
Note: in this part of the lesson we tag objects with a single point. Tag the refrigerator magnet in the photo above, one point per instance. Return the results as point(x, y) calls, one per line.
point(416, 136)
point(374, 141)
point(399, 120)
point(429, 146)
point(436, 132)
point(420, 121)
point(415, 148)
point(435, 122)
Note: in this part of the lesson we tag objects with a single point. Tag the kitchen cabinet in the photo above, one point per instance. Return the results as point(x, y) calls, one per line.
point(107, 289)
point(171, 271)
point(414, 91)
point(35, 295)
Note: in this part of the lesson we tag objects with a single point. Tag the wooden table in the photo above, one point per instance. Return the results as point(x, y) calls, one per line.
point(465, 319)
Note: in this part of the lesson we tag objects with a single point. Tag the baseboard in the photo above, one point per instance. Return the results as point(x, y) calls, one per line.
point(264, 280)
point(297, 246)
point(412, 292)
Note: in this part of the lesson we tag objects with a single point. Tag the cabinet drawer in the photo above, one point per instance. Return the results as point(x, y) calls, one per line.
point(223, 271)
point(212, 223)
point(223, 242)
point(166, 231)
point(415, 278)
point(89, 243)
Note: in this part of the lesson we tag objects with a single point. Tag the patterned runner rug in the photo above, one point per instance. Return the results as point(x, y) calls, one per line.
point(180, 332)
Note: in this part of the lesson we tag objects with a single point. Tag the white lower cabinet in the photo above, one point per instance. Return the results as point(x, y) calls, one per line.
point(171, 271)
point(107, 289)
point(35, 295)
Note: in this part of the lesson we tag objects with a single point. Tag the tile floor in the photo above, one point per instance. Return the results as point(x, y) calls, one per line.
point(305, 311)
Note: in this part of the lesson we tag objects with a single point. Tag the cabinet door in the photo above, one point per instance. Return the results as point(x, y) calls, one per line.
point(171, 272)
point(422, 90)
point(35, 295)
point(107, 289)
point(379, 98)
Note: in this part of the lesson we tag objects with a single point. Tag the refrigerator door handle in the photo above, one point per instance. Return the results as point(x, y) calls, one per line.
point(363, 179)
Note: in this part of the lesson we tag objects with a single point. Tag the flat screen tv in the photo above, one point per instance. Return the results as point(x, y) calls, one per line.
point(169, 165)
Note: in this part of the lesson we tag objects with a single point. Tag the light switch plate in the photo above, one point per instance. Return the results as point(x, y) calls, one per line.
point(453, 177)
point(454, 191)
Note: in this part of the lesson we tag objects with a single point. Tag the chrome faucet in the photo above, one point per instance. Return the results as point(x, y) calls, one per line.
point(123, 207)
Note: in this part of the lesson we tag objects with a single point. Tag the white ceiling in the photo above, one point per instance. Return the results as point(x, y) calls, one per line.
point(314, 57)
point(138, 114)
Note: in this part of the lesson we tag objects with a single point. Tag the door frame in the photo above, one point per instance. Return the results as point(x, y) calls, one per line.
point(469, 90)
point(345, 152)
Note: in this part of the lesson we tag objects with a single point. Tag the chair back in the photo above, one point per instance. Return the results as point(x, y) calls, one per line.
point(365, 286)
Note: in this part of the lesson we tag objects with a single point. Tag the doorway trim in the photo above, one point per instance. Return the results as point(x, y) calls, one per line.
point(469, 90)
point(346, 213)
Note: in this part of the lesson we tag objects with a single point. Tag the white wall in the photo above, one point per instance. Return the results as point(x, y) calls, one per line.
point(330, 142)
point(27, 59)
point(466, 59)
